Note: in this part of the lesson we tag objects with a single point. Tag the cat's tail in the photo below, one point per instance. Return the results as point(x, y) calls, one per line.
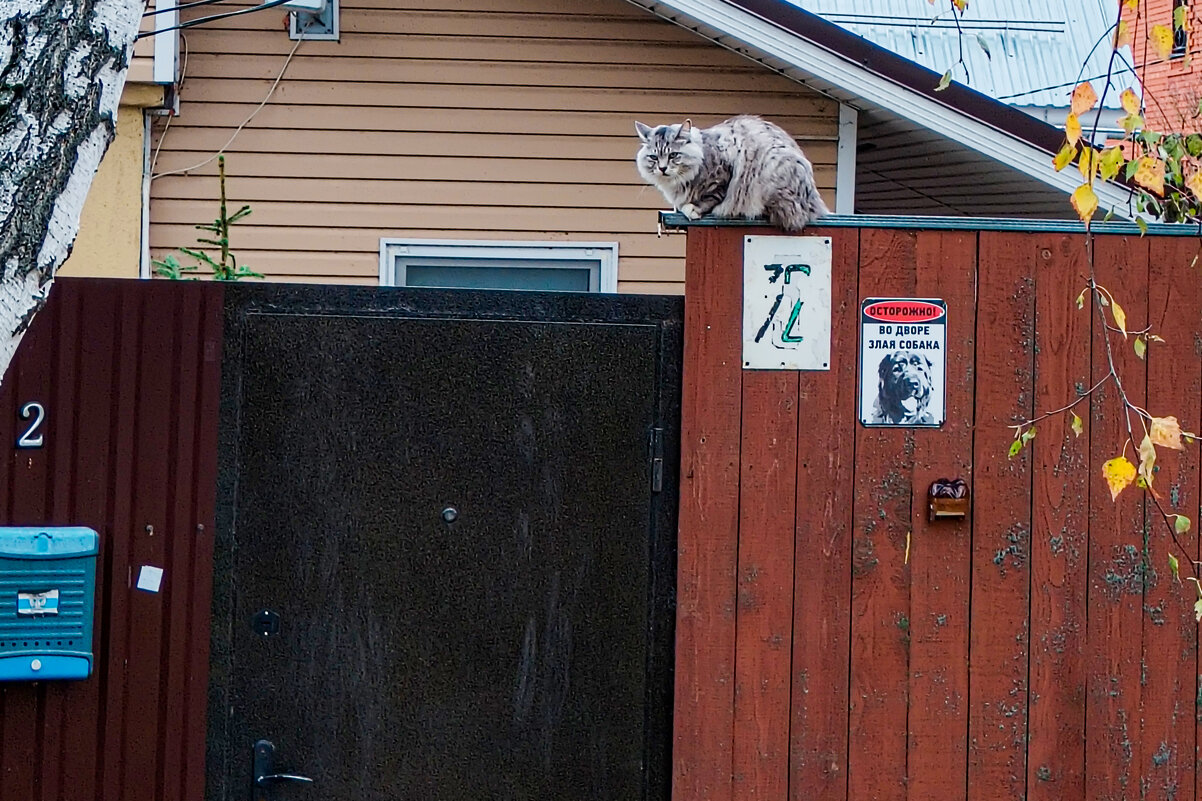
point(804, 207)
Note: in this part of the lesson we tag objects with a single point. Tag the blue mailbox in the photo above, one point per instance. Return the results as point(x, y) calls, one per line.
point(47, 597)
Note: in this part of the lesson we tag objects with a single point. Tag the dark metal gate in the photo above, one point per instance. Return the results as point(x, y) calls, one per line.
point(445, 554)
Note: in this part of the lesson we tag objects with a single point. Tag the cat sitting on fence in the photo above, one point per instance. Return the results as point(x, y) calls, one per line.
point(744, 168)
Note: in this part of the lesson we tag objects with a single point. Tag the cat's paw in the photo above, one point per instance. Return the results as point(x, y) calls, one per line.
point(690, 211)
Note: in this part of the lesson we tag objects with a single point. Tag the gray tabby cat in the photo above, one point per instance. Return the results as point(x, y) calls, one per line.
point(745, 167)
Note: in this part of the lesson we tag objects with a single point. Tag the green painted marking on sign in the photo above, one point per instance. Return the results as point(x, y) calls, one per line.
point(787, 335)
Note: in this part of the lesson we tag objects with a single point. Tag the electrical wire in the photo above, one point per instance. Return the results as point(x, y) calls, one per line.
point(212, 18)
point(169, 9)
point(245, 122)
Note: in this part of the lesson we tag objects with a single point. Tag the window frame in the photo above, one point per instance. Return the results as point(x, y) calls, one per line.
point(604, 253)
point(1180, 35)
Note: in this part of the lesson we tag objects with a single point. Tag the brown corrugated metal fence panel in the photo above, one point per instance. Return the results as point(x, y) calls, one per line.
point(1039, 649)
point(128, 373)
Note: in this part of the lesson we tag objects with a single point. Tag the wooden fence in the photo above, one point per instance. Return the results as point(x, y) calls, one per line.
point(128, 374)
point(833, 644)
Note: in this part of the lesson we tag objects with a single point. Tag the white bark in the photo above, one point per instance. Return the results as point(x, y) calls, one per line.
point(62, 69)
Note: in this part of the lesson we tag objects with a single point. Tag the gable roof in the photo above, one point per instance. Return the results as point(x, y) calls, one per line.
point(920, 151)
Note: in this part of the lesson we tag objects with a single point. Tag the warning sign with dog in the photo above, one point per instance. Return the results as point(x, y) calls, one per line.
point(903, 365)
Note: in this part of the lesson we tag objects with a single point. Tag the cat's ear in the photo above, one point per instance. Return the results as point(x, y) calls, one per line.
point(643, 131)
point(684, 129)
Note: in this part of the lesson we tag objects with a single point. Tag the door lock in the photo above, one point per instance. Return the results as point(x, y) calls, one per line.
point(262, 770)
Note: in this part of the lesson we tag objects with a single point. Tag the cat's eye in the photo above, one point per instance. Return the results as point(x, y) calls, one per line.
point(675, 157)
point(652, 157)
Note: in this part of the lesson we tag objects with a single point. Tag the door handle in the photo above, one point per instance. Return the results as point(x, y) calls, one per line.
point(263, 765)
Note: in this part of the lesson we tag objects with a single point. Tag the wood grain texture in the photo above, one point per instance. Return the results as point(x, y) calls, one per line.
point(1001, 542)
point(880, 576)
point(1168, 734)
point(707, 544)
point(1060, 474)
point(822, 581)
point(764, 621)
point(940, 551)
point(1117, 569)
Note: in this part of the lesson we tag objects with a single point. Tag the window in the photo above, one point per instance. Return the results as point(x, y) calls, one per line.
point(1180, 37)
point(554, 266)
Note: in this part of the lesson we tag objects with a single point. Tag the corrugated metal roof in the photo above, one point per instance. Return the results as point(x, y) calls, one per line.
point(1036, 47)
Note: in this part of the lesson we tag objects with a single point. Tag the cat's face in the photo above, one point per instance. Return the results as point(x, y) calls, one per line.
point(670, 153)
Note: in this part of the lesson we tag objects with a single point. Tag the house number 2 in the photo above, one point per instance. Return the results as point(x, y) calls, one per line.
point(35, 413)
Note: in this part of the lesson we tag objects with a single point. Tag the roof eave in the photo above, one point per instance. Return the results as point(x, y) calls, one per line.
point(790, 40)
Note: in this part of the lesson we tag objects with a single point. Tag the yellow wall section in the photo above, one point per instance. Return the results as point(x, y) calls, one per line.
point(110, 230)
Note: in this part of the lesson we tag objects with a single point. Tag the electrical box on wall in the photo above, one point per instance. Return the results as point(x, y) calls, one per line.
point(47, 599)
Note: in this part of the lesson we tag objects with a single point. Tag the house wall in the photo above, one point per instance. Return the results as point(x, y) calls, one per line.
point(1172, 87)
point(110, 228)
point(480, 119)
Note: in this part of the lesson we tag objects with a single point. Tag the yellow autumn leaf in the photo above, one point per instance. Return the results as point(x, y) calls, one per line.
point(1198, 610)
point(1086, 162)
point(1085, 201)
point(1072, 129)
point(1122, 35)
point(1150, 174)
point(1194, 184)
point(1064, 157)
point(960, 4)
point(1120, 316)
point(1147, 459)
point(1166, 432)
point(1131, 4)
point(1119, 473)
point(1110, 162)
point(1131, 123)
point(1130, 101)
point(1077, 427)
point(1161, 37)
point(1084, 98)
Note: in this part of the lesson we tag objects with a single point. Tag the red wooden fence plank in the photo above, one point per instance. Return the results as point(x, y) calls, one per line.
point(822, 596)
point(1001, 520)
point(1169, 629)
point(1115, 600)
point(1060, 472)
point(708, 519)
point(940, 552)
point(880, 594)
point(767, 492)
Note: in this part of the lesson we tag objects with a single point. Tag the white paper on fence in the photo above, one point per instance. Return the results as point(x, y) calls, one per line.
point(786, 303)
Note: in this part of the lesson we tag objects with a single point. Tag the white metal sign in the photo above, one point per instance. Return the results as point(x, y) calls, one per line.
point(903, 364)
point(786, 303)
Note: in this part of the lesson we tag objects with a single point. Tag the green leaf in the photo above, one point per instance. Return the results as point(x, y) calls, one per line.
point(1108, 165)
point(944, 81)
point(1077, 427)
point(1174, 566)
point(1015, 447)
point(1143, 225)
point(1140, 347)
point(1120, 316)
point(1130, 169)
point(1181, 525)
point(1081, 300)
point(1198, 610)
point(1028, 435)
point(1193, 145)
point(1179, 17)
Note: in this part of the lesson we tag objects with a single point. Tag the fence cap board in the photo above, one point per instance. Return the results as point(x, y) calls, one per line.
point(671, 220)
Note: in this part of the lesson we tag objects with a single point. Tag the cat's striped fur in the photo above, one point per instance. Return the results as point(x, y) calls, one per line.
point(745, 167)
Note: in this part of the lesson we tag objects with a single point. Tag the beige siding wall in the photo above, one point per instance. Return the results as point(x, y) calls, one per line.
point(452, 119)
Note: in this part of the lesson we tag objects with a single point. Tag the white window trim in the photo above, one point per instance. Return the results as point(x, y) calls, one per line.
point(605, 253)
point(845, 174)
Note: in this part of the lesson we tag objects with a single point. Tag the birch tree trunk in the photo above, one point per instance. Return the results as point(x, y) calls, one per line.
point(62, 69)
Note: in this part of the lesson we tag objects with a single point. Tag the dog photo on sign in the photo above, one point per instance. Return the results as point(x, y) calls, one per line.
point(904, 394)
